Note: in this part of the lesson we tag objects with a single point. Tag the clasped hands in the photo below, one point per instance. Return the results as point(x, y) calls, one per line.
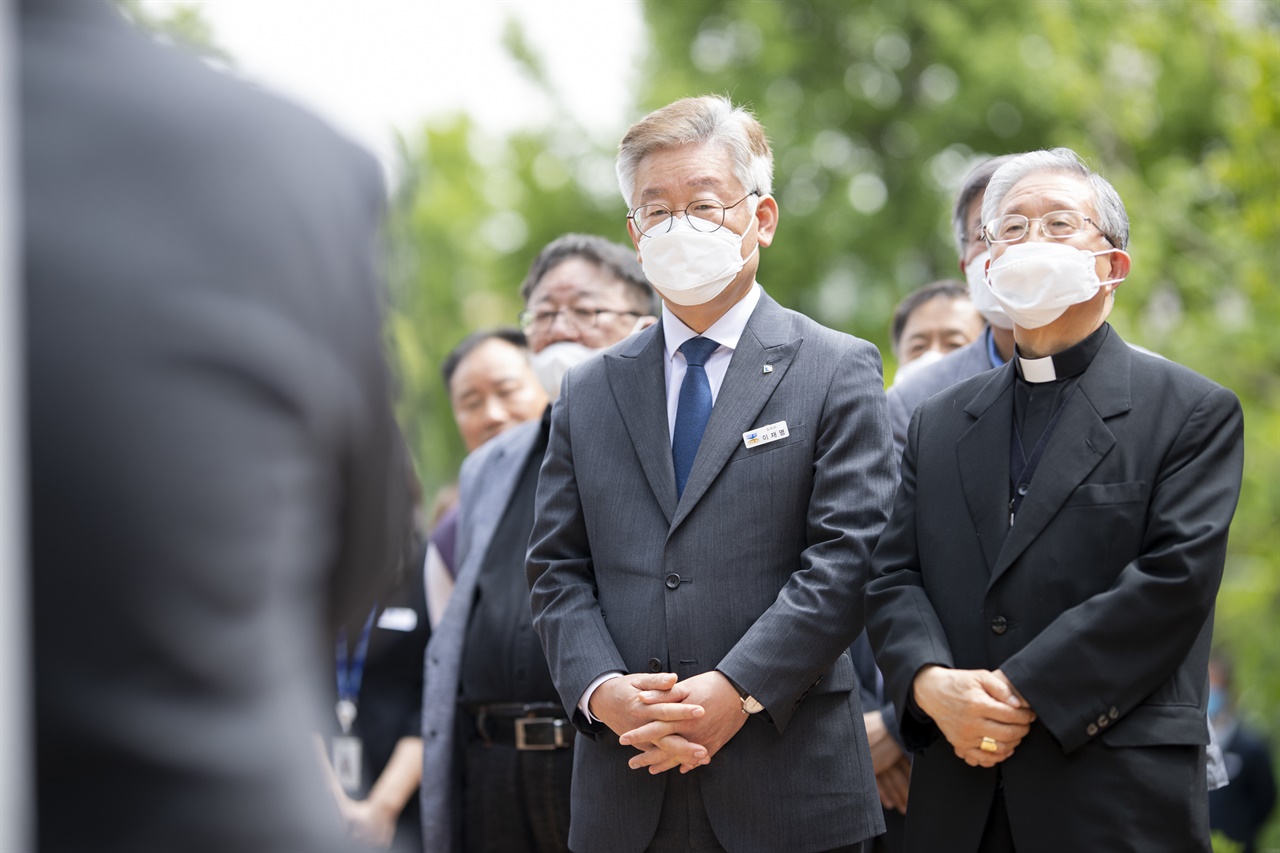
point(672, 723)
point(973, 706)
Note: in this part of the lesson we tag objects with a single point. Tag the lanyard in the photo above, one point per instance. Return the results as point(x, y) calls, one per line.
point(351, 673)
point(1022, 469)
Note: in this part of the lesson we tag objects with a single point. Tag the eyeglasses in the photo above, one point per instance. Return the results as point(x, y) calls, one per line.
point(1057, 225)
point(579, 319)
point(705, 214)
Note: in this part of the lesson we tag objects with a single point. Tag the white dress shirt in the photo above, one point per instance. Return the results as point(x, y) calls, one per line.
point(726, 331)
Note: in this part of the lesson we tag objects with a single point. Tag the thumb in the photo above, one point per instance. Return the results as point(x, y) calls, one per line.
point(999, 688)
point(654, 680)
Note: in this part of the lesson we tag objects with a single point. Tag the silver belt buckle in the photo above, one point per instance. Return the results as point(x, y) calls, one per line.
point(558, 742)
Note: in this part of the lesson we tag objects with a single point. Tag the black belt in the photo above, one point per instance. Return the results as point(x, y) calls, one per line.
point(534, 726)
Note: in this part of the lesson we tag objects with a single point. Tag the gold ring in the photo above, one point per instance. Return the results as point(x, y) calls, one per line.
point(989, 745)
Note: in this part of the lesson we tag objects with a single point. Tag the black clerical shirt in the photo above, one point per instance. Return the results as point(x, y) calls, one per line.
point(1036, 404)
point(502, 660)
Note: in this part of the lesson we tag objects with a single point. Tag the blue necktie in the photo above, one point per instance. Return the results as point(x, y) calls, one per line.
point(693, 409)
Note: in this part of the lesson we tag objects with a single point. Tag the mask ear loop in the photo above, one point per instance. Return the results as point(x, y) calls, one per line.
point(1112, 281)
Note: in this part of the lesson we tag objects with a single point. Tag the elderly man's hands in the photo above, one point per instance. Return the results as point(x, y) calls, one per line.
point(971, 704)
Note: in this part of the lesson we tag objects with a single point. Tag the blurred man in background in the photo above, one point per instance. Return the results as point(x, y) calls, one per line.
point(492, 388)
point(498, 753)
point(1239, 810)
point(931, 322)
point(991, 348)
point(215, 471)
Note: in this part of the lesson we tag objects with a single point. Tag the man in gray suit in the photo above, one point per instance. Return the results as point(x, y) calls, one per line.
point(497, 744)
point(712, 490)
point(214, 464)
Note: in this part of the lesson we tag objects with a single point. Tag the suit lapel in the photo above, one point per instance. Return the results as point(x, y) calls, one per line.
point(745, 390)
point(506, 464)
point(1079, 442)
point(637, 378)
point(982, 454)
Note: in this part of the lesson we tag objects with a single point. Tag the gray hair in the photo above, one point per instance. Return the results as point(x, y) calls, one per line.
point(973, 185)
point(709, 119)
point(1112, 219)
point(615, 260)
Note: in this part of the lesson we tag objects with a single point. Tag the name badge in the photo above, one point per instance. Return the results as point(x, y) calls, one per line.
point(346, 762)
point(765, 434)
point(398, 619)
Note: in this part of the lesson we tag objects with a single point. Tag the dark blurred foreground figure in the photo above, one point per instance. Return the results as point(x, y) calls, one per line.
point(214, 463)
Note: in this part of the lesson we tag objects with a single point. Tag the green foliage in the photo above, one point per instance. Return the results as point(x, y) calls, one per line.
point(181, 24)
point(1222, 844)
point(470, 213)
point(876, 110)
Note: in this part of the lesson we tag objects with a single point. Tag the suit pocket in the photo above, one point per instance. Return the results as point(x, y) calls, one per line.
point(1159, 725)
point(1108, 494)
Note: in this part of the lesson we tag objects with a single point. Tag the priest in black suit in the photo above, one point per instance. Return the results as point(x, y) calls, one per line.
point(1042, 597)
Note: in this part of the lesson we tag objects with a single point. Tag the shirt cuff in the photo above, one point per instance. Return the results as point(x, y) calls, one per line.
point(591, 688)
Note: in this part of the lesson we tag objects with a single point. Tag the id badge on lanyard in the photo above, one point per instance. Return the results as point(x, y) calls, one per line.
point(347, 748)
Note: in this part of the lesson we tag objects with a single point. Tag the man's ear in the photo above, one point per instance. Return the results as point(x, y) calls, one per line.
point(766, 220)
point(634, 235)
point(1120, 263)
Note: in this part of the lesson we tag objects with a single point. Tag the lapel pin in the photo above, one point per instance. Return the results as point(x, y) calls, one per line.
point(768, 368)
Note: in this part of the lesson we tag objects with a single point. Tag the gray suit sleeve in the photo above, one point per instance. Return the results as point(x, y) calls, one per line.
point(574, 637)
point(820, 610)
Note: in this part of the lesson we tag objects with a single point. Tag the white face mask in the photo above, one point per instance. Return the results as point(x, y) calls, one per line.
point(1035, 283)
point(691, 267)
point(553, 361)
point(980, 293)
point(925, 359)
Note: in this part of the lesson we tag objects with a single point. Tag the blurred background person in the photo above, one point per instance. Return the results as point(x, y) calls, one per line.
point(992, 347)
point(492, 388)
point(1240, 809)
point(215, 474)
point(374, 758)
point(931, 322)
point(498, 747)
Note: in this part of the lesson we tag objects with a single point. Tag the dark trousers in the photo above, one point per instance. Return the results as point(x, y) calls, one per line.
point(516, 801)
point(685, 828)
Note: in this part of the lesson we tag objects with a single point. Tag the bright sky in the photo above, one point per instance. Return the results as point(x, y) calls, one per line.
point(372, 65)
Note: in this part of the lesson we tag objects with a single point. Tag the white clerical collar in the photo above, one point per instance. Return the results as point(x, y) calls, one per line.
point(1037, 370)
point(1063, 365)
point(726, 331)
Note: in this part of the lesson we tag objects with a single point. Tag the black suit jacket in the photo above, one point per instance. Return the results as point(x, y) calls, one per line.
point(1097, 603)
point(213, 459)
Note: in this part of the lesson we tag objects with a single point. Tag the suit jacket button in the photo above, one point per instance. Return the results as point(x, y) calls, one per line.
point(1104, 721)
point(655, 665)
point(1113, 713)
point(673, 580)
point(999, 625)
point(1091, 730)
